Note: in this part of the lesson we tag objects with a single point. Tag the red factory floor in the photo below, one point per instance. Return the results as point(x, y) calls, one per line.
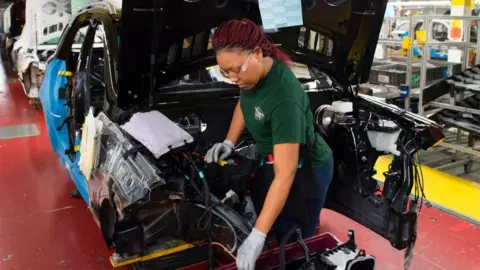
point(42, 227)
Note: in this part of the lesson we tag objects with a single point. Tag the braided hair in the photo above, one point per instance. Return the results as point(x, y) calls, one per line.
point(246, 35)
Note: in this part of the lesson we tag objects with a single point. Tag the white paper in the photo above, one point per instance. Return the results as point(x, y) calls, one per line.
point(383, 79)
point(455, 56)
point(156, 132)
point(301, 71)
point(280, 13)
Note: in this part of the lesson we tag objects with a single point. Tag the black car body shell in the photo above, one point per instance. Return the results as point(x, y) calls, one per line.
point(139, 65)
point(17, 19)
point(110, 22)
point(149, 30)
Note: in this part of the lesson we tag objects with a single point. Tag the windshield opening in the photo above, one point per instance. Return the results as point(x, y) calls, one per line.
point(318, 44)
point(210, 77)
point(79, 37)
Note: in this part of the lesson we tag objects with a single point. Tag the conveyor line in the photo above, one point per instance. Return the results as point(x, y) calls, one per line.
point(467, 86)
point(463, 149)
point(468, 79)
point(471, 74)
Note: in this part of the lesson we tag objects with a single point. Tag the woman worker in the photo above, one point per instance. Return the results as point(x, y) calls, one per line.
point(275, 109)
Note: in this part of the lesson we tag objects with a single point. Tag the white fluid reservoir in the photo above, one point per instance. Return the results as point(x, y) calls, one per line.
point(383, 136)
point(342, 106)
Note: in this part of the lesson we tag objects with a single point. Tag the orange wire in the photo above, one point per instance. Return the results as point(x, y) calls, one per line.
point(224, 249)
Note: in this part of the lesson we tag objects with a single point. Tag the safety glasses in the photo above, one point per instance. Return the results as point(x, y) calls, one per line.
point(242, 69)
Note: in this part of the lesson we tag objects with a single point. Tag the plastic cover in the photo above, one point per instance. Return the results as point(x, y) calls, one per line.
point(156, 132)
point(90, 145)
point(134, 175)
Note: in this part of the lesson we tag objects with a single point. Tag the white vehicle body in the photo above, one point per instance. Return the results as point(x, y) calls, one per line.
point(45, 21)
point(44, 24)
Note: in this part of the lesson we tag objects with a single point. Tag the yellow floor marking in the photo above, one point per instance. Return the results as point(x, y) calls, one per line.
point(151, 256)
point(452, 193)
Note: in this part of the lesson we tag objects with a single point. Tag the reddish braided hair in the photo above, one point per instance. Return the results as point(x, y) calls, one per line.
point(246, 35)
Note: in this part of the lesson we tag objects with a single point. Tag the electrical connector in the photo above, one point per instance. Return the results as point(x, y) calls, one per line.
point(231, 195)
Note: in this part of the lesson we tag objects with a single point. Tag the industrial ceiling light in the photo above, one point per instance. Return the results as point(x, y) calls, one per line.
point(49, 8)
point(68, 8)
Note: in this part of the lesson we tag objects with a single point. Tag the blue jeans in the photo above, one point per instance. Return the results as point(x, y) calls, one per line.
point(323, 177)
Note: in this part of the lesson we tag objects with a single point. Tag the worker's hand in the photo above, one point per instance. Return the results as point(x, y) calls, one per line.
point(219, 151)
point(249, 251)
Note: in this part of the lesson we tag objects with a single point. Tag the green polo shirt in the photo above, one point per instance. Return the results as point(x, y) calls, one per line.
point(277, 110)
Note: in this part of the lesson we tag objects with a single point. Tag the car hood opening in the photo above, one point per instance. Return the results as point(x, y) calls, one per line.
point(161, 40)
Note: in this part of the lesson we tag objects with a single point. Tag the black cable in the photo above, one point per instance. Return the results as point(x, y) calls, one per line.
point(286, 237)
point(421, 181)
point(420, 166)
point(208, 208)
point(207, 201)
point(413, 170)
point(419, 192)
point(303, 245)
point(191, 182)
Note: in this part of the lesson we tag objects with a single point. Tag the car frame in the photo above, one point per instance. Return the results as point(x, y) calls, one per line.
point(125, 89)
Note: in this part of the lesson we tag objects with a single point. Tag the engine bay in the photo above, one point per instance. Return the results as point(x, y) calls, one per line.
point(143, 200)
point(151, 199)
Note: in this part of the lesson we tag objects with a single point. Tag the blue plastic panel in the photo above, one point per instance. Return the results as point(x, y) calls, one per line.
point(55, 110)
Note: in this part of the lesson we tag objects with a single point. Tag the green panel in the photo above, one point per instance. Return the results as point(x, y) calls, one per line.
point(77, 5)
point(52, 41)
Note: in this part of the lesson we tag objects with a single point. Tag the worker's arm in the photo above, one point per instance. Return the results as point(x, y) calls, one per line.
point(285, 166)
point(288, 132)
point(237, 126)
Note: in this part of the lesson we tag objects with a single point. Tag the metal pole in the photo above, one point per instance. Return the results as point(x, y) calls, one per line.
point(423, 69)
point(466, 40)
point(437, 104)
point(477, 53)
point(465, 52)
point(409, 63)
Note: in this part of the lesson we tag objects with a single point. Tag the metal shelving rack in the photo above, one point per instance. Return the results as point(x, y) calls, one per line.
point(465, 45)
point(449, 102)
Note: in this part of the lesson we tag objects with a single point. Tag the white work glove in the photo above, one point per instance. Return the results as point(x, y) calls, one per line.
point(249, 251)
point(219, 151)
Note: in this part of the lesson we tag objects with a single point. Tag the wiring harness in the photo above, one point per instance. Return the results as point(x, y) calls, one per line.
point(207, 214)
